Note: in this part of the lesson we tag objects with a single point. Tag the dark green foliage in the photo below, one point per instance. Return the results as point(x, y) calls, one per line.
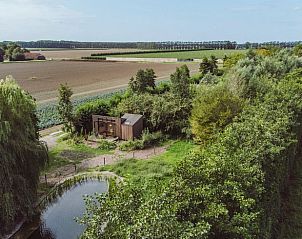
point(234, 187)
point(22, 155)
point(144, 81)
point(83, 115)
point(165, 112)
point(209, 65)
point(65, 107)
point(2, 53)
point(180, 82)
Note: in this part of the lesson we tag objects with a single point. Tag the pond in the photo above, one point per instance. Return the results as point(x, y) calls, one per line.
point(57, 220)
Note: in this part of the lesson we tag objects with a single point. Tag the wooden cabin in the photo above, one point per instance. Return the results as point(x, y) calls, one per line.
point(128, 127)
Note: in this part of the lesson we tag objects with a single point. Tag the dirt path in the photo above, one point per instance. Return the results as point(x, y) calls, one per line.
point(107, 159)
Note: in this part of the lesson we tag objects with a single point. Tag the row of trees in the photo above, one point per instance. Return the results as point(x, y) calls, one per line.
point(235, 186)
point(155, 45)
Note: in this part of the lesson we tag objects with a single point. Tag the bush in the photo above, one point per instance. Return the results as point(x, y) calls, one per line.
point(162, 87)
point(83, 115)
point(195, 79)
point(151, 139)
point(131, 145)
point(106, 145)
point(148, 139)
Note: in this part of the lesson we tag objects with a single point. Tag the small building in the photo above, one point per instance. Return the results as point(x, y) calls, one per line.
point(33, 56)
point(128, 127)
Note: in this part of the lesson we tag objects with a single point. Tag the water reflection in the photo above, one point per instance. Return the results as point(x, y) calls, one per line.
point(57, 221)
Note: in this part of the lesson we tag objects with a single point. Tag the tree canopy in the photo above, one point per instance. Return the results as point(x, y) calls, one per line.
point(22, 155)
point(143, 81)
point(232, 187)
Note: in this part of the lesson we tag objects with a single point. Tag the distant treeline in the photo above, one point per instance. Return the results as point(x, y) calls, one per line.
point(168, 45)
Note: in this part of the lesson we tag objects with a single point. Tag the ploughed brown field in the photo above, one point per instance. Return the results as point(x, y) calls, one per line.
point(42, 79)
point(78, 53)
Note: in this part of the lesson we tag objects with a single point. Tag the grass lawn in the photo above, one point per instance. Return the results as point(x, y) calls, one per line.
point(66, 152)
point(158, 166)
point(183, 54)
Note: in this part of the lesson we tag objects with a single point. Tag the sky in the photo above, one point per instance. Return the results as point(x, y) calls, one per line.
point(151, 20)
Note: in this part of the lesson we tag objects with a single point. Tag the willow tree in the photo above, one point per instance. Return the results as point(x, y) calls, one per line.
point(22, 155)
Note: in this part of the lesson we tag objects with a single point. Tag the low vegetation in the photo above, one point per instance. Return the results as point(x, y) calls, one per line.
point(157, 166)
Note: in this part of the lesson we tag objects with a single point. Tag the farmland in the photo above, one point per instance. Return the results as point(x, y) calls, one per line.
point(41, 79)
point(184, 54)
point(75, 53)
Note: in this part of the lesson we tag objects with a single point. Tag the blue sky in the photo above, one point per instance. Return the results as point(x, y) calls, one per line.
point(151, 20)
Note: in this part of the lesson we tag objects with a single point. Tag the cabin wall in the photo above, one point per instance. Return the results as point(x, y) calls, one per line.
point(138, 128)
point(127, 132)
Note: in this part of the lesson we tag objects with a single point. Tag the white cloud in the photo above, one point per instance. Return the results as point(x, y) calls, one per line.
point(297, 8)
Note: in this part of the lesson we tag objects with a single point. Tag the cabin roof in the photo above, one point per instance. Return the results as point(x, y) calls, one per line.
point(131, 119)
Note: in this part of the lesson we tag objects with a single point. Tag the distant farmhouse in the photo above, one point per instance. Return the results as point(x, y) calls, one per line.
point(33, 56)
point(128, 127)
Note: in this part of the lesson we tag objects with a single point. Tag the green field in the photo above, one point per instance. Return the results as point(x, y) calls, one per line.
point(183, 54)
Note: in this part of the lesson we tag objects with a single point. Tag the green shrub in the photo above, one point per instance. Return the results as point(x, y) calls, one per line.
point(195, 79)
point(83, 115)
point(131, 145)
point(151, 139)
point(106, 145)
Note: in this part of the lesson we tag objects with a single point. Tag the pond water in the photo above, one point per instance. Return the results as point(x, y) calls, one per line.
point(57, 221)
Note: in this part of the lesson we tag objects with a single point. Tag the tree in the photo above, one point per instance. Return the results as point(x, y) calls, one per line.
point(22, 155)
point(2, 53)
point(204, 66)
point(213, 65)
point(144, 81)
point(180, 82)
point(298, 50)
point(209, 65)
point(65, 107)
point(213, 109)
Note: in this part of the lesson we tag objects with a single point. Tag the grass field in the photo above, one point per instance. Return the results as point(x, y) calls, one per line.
point(158, 166)
point(184, 54)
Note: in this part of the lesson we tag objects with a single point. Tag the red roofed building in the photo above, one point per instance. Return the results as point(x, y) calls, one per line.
point(33, 56)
